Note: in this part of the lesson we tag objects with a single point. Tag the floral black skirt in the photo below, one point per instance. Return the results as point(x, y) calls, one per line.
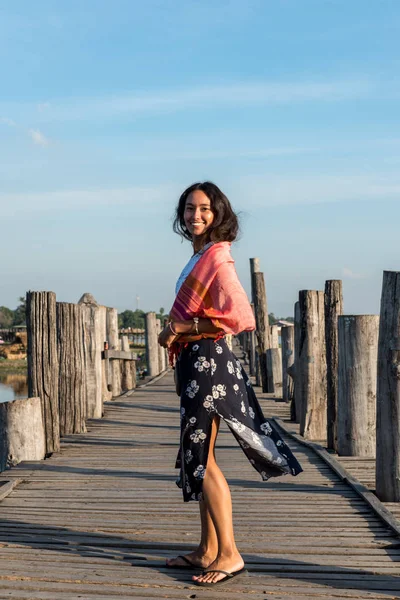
point(213, 382)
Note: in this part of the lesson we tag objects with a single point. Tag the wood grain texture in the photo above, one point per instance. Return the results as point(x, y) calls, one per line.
point(262, 327)
point(356, 385)
point(333, 308)
point(311, 374)
point(287, 337)
point(43, 361)
point(388, 391)
point(98, 519)
point(71, 372)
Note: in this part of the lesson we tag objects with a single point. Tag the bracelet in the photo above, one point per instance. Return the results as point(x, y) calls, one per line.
point(196, 324)
point(171, 328)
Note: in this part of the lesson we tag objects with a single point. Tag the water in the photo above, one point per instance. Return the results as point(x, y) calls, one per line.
point(13, 387)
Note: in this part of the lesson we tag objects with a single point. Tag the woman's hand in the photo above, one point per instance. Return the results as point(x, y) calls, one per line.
point(166, 337)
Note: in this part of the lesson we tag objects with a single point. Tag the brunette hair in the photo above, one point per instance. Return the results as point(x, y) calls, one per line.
point(225, 226)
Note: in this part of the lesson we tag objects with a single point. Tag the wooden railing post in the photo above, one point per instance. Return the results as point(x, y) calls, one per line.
point(114, 344)
point(297, 408)
point(255, 268)
point(274, 336)
point(356, 400)
point(94, 346)
point(333, 308)
point(161, 351)
point(71, 360)
point(312, 367)
point(287, 342)
point(252, 350)
point(43, 361)
point(262, 331)
point(388, 391)
point(128, 368)
point(274, 369)
point(106, 388)
point(151, 344)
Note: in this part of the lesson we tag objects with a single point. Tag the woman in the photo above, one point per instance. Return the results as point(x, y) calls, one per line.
point(210, 303)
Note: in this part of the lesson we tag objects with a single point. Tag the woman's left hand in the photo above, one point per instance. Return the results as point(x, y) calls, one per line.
point(166, 337)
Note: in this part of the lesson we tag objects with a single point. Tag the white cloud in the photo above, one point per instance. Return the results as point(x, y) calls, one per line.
point(201, 97)
point(150, 198)
point(42, 106)
point(6, 121)
point(274, 190)
point(346, 272)
point(38, 137)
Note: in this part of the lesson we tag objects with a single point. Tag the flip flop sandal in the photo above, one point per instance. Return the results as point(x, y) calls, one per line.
point(228, 577)
point(188, 565)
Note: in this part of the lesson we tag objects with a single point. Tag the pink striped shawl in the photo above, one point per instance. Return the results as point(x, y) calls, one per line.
point(213, 291)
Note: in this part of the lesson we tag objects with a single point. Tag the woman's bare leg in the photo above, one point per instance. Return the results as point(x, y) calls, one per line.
point(218, 502)
point(207, 550)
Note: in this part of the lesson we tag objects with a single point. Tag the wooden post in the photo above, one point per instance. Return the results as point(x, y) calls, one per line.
point(287, 340)
point(151, 344)
point(21, 432)
point(113, 344)
point(296, 405)
point(43, 362)
point(71, 359)
point(262, 331)
point(93, 349)
point(388, 392)
point(162, 365)
point(274, 369)
point(252, 350)
point(356, 407)
point(229, 341)
point(102, 339)
point(274, 336)
point(333, 308)
point(312, 371)
point(255, 268)
point(128, 368)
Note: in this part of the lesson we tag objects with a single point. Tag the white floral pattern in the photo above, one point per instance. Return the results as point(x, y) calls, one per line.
point(202, 364)
point(215, 384)
point(198, 436)
point(192, 388)
point(266, 428)
point(218, 391)
point(199, 472)
point(209, 403)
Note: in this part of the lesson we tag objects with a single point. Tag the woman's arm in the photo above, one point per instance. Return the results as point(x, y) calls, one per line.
point(185, 330)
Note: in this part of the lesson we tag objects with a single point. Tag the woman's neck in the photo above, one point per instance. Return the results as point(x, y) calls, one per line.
point(198, 244)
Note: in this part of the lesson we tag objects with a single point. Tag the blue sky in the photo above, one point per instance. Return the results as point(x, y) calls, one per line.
point(108, 110)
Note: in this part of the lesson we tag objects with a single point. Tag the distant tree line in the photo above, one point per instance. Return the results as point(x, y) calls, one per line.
point(12, 318)
point(136, 318)
point(273, 319)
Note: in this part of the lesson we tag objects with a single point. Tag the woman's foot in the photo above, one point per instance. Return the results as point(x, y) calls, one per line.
point(197, 559)
point(231, 563)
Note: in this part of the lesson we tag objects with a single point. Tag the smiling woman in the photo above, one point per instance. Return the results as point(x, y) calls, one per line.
point(204, 215)
point(210, 303)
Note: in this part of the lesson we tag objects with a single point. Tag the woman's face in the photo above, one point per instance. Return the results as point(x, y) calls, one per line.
point(198, 215)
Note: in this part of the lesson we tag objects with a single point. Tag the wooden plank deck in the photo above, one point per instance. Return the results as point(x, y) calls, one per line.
point(97, 520)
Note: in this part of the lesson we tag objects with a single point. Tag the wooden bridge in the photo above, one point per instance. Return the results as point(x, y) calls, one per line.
point(97, 519)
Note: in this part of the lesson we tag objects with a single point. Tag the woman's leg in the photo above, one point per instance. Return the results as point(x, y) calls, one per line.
point(217, 498)
point(207, 549)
